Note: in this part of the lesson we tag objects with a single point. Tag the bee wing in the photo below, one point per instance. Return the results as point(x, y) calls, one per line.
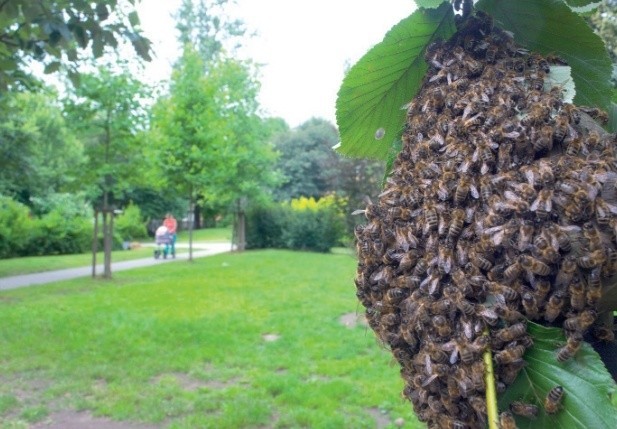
point(474, 191)
point(535, 205)
point(357, 212)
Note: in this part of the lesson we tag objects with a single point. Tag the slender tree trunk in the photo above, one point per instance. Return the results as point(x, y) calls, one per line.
point(106, 237)
point(191, 220)
point(95, 242)
point(107, 223)
point(240, 227)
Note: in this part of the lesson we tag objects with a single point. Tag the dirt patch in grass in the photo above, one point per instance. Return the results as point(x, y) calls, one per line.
point(351, 320)
point(84, 420)
point(189, 383)
point(270, 337)
point(381, 420)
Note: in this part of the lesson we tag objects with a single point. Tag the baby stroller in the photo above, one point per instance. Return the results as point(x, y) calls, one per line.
point(163, 240)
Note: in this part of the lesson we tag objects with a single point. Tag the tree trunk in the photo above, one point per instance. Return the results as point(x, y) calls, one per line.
point(191, 221)
point(197, 216)
point(107, 239)
point(95, 242)
point(240, 228)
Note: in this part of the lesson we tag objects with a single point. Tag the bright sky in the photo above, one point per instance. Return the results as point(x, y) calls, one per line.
point(304, 46)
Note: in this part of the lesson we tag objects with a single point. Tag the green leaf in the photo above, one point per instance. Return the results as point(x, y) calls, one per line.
point(369, 107)
point(134, 19)
point(52, 67)
point(583, 6)
point(612, 117)
point(430, 4)
point(588, 385)
point(561, 76)
point(551, 27)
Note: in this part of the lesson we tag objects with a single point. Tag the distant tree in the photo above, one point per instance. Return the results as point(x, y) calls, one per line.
point(39, 155)
point(603, 20)
point(311, 168)
point(208, 134)
point(107, 111)
point(56, 32)
point(307, 161)
point(203, 25)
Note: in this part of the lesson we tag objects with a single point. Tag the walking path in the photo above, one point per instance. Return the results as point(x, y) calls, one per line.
point(199, 250)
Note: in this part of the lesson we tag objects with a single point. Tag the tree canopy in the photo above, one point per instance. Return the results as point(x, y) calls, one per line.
point(56, 32)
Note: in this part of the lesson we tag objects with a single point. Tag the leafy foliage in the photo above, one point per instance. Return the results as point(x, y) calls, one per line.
point(301, 224)
point(587, 383)
point(551, 27)
point(369, 107)
point(53, 32)
point(39, 154)
point(130, 224)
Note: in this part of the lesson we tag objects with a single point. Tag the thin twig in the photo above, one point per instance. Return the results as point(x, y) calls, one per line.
point(491, 393)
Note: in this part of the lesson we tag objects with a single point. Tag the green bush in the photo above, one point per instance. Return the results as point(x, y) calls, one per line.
point(58, 234)
point(302, 224)
point(130, 224)
point(264, 227)
point(64, 228)
point(16, 227)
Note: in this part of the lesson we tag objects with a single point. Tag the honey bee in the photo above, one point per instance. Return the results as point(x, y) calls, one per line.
point(581, 322)
point(430, 217)
point(543, 204)
point(525, 235)
point(511, 273)
point(572, 346)
point(562, 238)
point(445, 259)
point(524, 409)
point(487, 314)
point(543, 142)
point(595, 113)
point(594, 291)
point(506, 421)
point(510, 355)
point(456, 224)
point(530, 305)
point(553, 306)
point(572, 113)
point(603, 333)
point(511, 333)
point(541, 290)
point(508, 293)
point(442, 326)
point(545, 252)
point(604, 211)
point(553, 399)
point(593, 259)
point(508, 314)
point(534, 265)
point(480, 261)
point(577, 294)
point(561, 128)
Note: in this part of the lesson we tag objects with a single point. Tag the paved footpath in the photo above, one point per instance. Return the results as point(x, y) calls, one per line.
point(199, 250)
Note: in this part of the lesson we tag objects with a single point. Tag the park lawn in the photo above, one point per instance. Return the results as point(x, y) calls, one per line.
point(185, 346)
point(37, 264)
point(206, 234)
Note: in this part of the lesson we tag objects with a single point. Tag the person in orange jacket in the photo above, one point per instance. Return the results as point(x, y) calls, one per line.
point(172, 225)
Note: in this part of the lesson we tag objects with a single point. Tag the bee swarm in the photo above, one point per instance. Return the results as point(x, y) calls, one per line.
point(500, 208)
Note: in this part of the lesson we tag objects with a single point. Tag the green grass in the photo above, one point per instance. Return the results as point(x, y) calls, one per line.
point(181, 345)
point(37, 264)
point(207, 234)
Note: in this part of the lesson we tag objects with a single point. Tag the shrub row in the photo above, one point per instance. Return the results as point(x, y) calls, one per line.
point(301, 224)
point(59, 230)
